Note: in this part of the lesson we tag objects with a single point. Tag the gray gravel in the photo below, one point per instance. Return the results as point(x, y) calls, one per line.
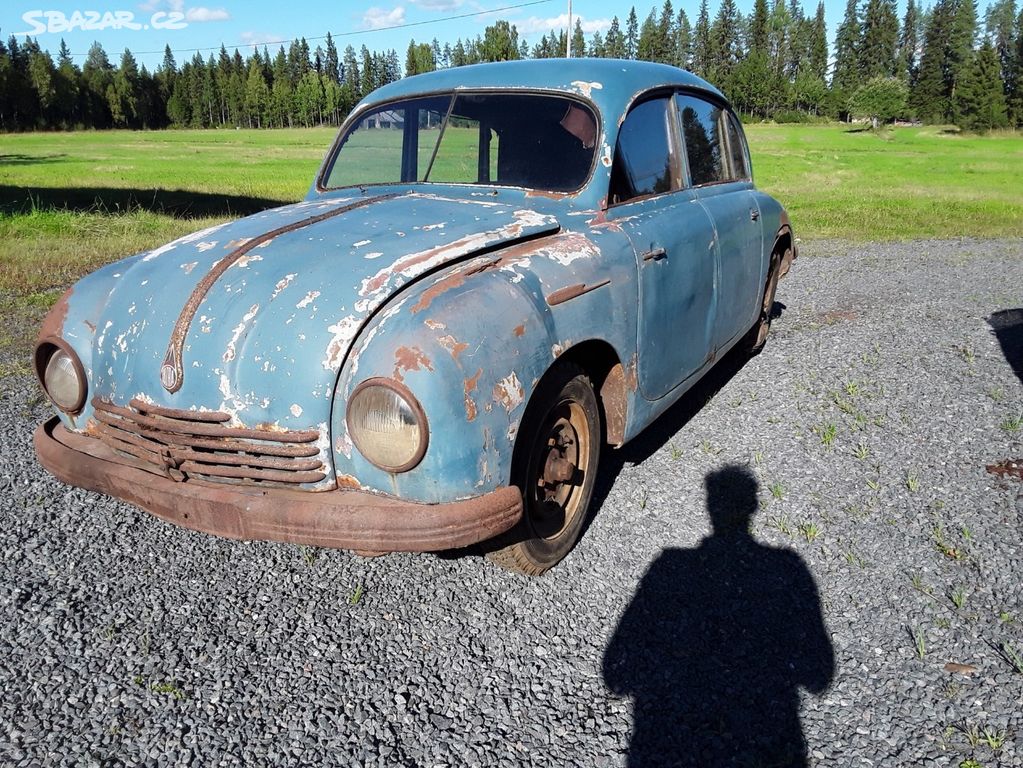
point(124, 640)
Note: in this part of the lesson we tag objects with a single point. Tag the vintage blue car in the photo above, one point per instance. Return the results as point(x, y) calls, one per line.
point(498, 270)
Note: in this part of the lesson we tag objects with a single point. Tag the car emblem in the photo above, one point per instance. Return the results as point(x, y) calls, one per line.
point(168, 376)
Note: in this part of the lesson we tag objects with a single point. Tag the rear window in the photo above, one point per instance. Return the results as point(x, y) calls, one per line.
point(704, 136)
point(509, 139)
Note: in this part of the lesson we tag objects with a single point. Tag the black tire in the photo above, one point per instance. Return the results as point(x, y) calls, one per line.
point(756, 337)
point(560, 436)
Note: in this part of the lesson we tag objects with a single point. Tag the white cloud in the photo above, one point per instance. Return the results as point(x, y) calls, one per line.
point(534, 24)
point(258, 38)
point(201, 14)
point(377, 18)
point(439, 5)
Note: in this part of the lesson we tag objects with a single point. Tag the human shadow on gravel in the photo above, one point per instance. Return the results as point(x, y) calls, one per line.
point(717, 643)
point(1008, 327)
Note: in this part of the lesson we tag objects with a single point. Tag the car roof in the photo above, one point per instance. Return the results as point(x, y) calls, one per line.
point(610, 83)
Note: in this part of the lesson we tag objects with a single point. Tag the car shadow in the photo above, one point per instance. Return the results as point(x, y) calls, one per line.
point(179, 203)
point(1007, 325)
point(718, 642)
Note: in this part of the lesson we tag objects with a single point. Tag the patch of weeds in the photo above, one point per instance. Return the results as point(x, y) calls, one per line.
point(879, 420)
point(845, 406)
point(949, 550)
point(357, 594)
point(852, 388)
point(1005, 617)
point(810, 531)
point(966, 532)
point(952, 690)
point(971, 763)
point(996, 394)
point(912, 481)
point(168, 687)
point(854, 559)
point(708, 448)
point(874, 485)
point(966, 353)
point(1012, 655)
point(781, 523)
point(918, 583)
point(942, 623)
point(861, 451)
point(826, 432)
point(758, 458)
point(777, 490)
point(15, 367)
point(994, 738)
point(309, 554)
point(642, 500)
point(676, 452)
point(774, 419)
point(919, 642)
point(958, 597)
point(1012, 424)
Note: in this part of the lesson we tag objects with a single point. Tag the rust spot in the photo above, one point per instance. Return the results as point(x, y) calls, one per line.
point(90, 325)
point(520, 330)
point(509, 392)
point(451, 345)
point(53, 323)
point(435, 290)
point(1007, 468)
point(347, 481)
point(839, 315)
point(434, 325)
point(469, 387)
point(562, 295)
point(410, 359)
point(612, 395)
point(631, 379)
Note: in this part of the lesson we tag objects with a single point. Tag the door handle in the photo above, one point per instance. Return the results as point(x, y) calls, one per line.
point(754, 214)
point(655, 255)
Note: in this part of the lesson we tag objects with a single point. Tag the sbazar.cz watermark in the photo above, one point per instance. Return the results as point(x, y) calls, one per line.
point(57, 22)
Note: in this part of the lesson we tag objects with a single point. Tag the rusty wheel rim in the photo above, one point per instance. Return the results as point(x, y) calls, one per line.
point(557, 468)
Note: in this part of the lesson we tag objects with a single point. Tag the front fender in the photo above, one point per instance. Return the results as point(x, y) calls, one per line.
point(471, 345)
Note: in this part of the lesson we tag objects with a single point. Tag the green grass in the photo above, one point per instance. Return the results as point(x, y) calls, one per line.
point(839, 181)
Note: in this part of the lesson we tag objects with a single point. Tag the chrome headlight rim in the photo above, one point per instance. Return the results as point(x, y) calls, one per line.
point(410, 400)
point(44, 352)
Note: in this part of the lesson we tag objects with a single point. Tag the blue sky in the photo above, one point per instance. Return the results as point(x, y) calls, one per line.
point(189, 24)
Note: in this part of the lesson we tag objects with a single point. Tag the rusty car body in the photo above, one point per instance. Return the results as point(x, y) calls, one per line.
point(498, 270)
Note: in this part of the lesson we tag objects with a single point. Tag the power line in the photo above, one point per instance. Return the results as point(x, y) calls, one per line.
point(344, 34)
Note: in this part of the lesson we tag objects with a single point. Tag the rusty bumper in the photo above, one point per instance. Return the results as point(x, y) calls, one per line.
point(344, 519)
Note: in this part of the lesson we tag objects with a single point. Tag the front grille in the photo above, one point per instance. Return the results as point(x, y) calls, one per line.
point(184, 444)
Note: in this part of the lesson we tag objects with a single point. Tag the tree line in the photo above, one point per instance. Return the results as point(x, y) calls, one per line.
point(941, 64)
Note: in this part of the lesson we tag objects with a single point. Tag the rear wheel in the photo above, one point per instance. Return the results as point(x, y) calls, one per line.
point(756, 338)
point(555, 466)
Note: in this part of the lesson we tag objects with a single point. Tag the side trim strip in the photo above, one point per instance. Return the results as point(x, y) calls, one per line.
point(172, 373)
point(562, 295)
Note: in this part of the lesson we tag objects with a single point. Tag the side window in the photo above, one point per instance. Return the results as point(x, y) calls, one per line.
point(702, 131)
point(737, 149)
point(643, 163)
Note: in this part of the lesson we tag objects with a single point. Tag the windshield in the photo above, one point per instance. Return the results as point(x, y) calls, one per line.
point(521, 140)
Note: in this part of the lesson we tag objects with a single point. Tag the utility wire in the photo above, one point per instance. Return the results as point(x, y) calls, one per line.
point(343, 34)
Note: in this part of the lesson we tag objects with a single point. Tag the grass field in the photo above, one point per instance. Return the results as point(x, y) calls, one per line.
point(72, 201)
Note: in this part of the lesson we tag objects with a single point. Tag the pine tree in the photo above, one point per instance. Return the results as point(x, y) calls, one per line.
point(929, 99)
point(683, 41)
point(876, 53)
point(1015, 79)
point(631, 34)
point(907, 63)
point(847, 76)
point(961, 51)
point(981, 98)
point(666, 38)
point(701, 41)
point(614, 43)
point(649, 45)
point(578, 40)
point(331, 63)
point(724, 42)
point(758, 27)
point(817, 46)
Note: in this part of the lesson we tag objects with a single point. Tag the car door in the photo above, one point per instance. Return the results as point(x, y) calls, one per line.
point(719, 172)
point(673, 237)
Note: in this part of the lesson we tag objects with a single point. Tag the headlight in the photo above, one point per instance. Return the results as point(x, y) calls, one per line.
point(62, 376)
point(387, 425)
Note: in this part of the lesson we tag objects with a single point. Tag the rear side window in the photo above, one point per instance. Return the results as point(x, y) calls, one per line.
point(736, 149)
point(643, 163)
point(704, 136)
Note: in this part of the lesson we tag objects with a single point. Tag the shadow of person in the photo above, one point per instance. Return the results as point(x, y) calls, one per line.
point(717, 643)
point(1008, 327)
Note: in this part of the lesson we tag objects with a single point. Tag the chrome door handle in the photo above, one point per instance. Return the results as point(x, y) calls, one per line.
point(655, 255)
point(754, 214)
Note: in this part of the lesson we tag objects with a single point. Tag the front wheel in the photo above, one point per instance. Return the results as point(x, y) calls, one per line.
point(756, 338)
point(555, 466)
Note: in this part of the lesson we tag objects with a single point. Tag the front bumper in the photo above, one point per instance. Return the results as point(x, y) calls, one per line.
point(343, 519)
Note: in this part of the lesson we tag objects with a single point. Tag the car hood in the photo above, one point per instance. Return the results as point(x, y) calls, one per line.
point(262, 311)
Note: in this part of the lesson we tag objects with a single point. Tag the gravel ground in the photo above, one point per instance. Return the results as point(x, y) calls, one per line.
point(881, 550)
